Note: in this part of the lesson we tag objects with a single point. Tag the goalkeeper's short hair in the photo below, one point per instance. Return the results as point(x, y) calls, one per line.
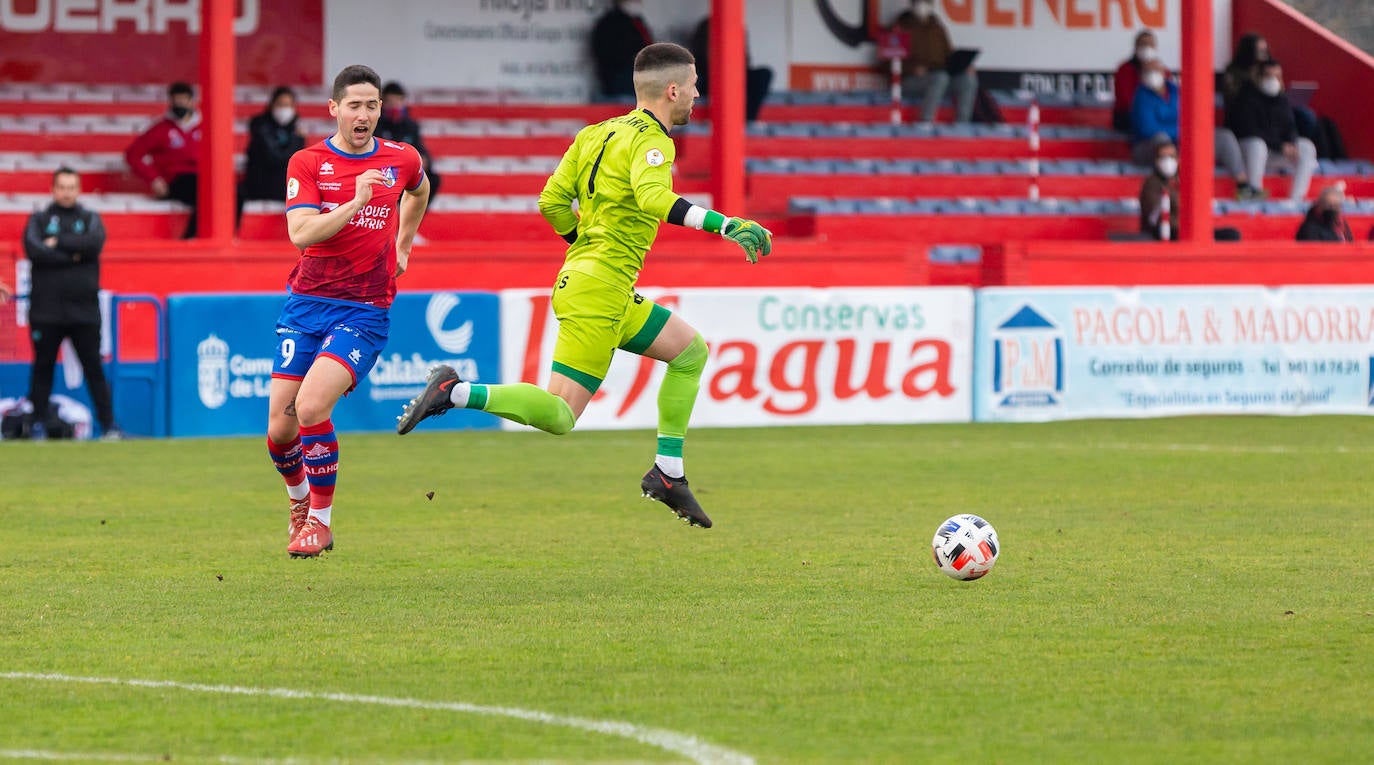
point(662, 56)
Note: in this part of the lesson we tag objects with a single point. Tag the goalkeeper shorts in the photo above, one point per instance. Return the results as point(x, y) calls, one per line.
point(594, 319)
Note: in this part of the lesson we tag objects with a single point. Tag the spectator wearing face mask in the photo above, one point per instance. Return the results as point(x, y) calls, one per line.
point(273, 136)
point(167, 155)
point(1154, 122)
point(397, 124)
point(1324, 221)
point(1154, 112)
point(1128, 78)
point(1262, 119)
point(1160, 184)
point(924, 74)
point(617, 38)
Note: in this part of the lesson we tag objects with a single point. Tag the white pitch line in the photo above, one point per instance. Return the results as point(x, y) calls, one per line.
point(36, 754)
point(53, 756)
point(690, 747)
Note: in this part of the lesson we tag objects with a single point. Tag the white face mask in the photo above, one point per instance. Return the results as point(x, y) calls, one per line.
point(283, 115)
point(1167, 166)
point(1270, 86)
point(923, 11)
point(1153, 80)
point(634, 8)
point(1146, 53)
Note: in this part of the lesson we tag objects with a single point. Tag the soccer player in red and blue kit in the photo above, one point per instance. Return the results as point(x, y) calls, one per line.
point(353, 204)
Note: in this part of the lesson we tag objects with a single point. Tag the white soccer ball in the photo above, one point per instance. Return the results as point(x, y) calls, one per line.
point(965, 547)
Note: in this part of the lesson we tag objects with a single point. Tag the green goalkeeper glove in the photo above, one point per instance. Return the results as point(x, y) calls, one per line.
point(755, 239)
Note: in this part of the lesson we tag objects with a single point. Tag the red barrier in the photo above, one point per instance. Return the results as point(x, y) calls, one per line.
point(1097, 263)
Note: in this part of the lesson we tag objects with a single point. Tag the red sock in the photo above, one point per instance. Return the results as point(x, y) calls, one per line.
point(320, 452)
point(287, 459)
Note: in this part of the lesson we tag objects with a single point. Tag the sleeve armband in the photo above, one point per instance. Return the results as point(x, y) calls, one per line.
point(694, 216)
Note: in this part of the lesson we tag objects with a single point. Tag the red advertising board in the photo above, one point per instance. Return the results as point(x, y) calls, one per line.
point(154, 41)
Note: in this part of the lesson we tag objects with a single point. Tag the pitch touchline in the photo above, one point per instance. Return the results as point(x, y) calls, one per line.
point(224, 759)
point(690, 747)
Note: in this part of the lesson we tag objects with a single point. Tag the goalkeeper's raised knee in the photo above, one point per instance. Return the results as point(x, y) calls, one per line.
point(692, 361)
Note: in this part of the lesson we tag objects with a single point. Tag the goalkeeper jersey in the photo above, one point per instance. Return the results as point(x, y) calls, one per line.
point(620, 173)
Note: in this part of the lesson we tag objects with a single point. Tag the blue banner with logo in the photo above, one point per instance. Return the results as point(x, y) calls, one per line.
point(1060, 353)
point(221, 349)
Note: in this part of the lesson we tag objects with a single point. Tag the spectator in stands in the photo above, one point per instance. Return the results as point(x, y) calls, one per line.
point(1324, 221)
point(1154, 123)
point(63, 244)
point(1262, 120)
point(1128, 77)
point(167, 154)
point(1161, 183)
point(273, 136)
point(617, 37)
point(397, 124)
point(757, 79)
point(1251, 49)
point(1154, 112)
point(924, 72)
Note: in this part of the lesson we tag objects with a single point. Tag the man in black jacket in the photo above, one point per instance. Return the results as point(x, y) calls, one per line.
point(63, 244)
point(397, 124)
point(757, 79)
point(617, 38)
point(1262, 118)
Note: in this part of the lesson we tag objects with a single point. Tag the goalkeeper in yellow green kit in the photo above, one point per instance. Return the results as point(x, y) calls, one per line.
point(620, 174)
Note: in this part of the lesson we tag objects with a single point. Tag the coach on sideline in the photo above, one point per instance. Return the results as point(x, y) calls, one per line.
point(63, 243)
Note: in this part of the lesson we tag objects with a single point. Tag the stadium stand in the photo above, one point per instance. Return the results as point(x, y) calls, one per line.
point(820, 164)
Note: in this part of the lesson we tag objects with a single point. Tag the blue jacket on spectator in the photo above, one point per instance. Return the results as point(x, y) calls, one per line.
point(1152, 114)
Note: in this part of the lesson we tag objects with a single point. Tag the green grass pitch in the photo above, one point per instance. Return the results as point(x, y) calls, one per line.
point(1171, 591)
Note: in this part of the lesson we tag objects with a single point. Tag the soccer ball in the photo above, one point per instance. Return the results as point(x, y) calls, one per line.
point(965, 547)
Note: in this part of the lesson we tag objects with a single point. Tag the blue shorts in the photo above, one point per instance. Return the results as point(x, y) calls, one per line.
point(309, 327)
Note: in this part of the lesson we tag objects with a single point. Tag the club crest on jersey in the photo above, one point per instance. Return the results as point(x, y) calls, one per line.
point(389, 176)
point(654, 157)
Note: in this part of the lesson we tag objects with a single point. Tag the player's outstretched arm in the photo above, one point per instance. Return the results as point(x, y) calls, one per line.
point(413, 204)
point(754, 239)
point(307, 225)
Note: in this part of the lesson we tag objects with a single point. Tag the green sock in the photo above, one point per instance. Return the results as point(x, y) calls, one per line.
point(526, 404)
point(676, 397)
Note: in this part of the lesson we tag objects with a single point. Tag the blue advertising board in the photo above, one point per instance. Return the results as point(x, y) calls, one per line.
point(1061, 353)
point(221, 349)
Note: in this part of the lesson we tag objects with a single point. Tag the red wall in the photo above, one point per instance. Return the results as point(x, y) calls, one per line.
point(1261, 263)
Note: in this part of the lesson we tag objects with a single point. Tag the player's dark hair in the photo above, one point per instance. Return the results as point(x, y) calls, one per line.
point(61, 171)
point(355, 74)
point(393, 88)
point(180, 89)
point(662, 56)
